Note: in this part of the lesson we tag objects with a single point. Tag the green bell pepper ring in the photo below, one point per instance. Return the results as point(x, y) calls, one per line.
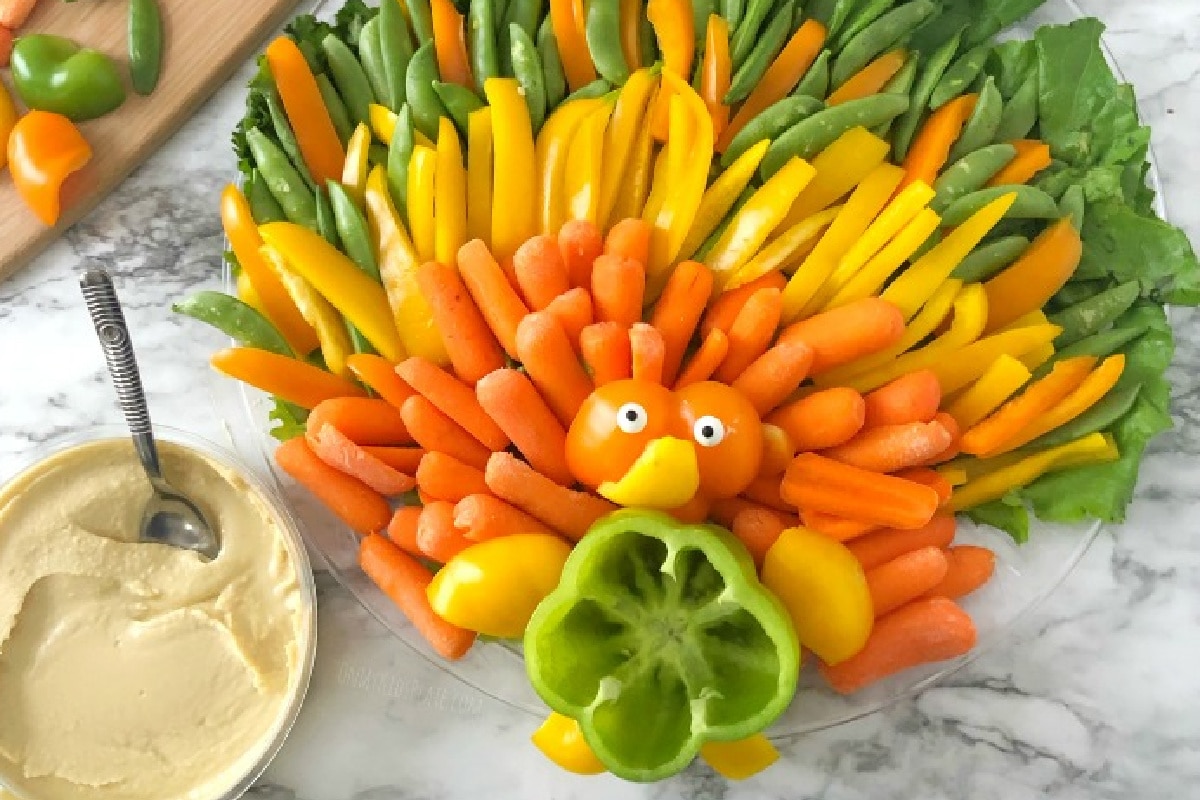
point(658, 639)
point(52, 73)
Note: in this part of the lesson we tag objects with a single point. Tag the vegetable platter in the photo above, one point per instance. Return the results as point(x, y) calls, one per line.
point(691, 344)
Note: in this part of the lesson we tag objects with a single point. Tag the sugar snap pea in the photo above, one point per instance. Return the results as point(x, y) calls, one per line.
point(555, 79)
point(901, 83)
point(1020, 112)
point(263, 205)
point(980, 129)
point(815, 82)
point(282, 179)
point(933, 241)
point(1100, 345)
point(960, 75)
point(833, 14)
point(871, 10)
point(527, 66)
point(145, 45)
point(352, 229)
point(603, 31)
point(1090, 316)
point(1076, 291)
point(880, 36)
point(348, 76)
point(1073, 205)
point(286, 136)
point(768, 45)
point(399, 154)
point(732, 11)
point(396, 47)
point(771, 124)
point(326, 225)
point(421, 17)
point(648, 42)
point(812, 135)
point(459, 101)
point(747, 33)
point(336, 108)
point(1100, 417)
point(423, 99)
point(235, 319)
point(481, 36)
point(377, 154)
point(971, 173)
point(597, 88)
point(1031, 203)
point(701, 11)
point(988, 259)
point(526, 13)
point(906, 127)
point(370, 55)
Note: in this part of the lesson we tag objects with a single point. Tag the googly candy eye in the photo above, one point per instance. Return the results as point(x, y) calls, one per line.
point(708, 431)
point(632, 418)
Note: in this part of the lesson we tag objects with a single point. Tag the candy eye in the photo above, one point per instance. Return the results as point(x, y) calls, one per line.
point(709, 431)
point(632, 418)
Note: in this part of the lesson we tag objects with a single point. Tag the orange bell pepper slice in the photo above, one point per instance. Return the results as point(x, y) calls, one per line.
point(870, 79)
point(717, 72)
point(319, 144)
point(1032, 157)
point(1036, 276)
point(931, 150)
point(566, 17)
point(675, 29)
point(43, 149)
point(450, 43)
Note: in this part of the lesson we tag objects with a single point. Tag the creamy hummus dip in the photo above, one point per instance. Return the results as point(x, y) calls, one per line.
point(133, 670)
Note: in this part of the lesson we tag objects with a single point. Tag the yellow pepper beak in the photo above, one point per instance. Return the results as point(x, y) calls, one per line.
point(665, 476)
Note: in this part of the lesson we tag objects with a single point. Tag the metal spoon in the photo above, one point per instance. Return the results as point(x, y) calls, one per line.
point(169, 518)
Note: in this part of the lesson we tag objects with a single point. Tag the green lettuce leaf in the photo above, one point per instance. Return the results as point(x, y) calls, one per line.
point(288, 420)
point(982, 19)
point(1008, 514)
point(1119, 242)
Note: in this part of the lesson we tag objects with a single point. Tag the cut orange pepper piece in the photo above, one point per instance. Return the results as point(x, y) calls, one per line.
point(43, 149)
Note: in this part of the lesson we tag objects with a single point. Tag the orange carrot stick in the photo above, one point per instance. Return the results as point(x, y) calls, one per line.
point(551, 363)
point(288, 378)
point(759, 528)
point(928, 630)
point(568, 512)
point(618, 288)
point(402, 459)
point(848, 333)
point(912, 398)
point(678, 311)
point(835, 527)
point(928, 477)
point(492, 292)
point(905, 578)
point(437, 538)
point(444, 477)
point(573, 310)
point(775, 375)
point(751, 334)
point(484, 516)
point(335, 449)
point(630, 238)
point(880, 547)
point(724, 512)
point(931, 149)
point(450, 43)
point(1032, 157)
point(822, 484)
point(725, 309)
point(365, 421)
point(766, 491)
point(454, 399)
point(517, 407)
point(889, 448)
point(473, 349)
point(433, 430)
point(606, 350)
point(320, 147)
point(648, 352)
point(823, 419)
point(358, 505)
point(580, 244)
point(704, 361)
point(778, 451)
point(402, 530)
point(404, 580)
point(541, 273)
point(380, 374)
point(969, 568)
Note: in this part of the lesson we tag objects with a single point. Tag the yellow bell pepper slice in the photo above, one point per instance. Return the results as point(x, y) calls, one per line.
point(620, 138)
point(355, 294)
point(1036, 358)
point(248, 294)
point(422, 187)
point(383, 122)
point(635, 186)
point(561, 740)
point(354, 171)
point(1000, 382)
point(871, 278)
point(857, 214)
point(914, 286)
point(967, 365)
point(479, 175)
point(741, 759)
point(450, 195)
point(398, 264)
point(586, 165)
point(514, 221)
point(954, 476)
point(1096, 448)
point(795, 243)
point(719, 198)
point(316, 310)
point(757, 219)
point(553, 144)
point(669, 164)
point(840, 167)
point(1037, 317)
point(493, 587)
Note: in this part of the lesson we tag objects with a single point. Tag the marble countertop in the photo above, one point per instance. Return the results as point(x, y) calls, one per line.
point(1093, 697)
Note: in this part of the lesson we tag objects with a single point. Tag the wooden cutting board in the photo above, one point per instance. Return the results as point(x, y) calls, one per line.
point(206, 41)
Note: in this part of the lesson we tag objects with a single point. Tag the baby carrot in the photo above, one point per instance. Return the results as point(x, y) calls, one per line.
point(444, 477)
point(751, 333)
point(473, 349)
point(606, 350)
point(492, 292)
point(693, 512)
point(358, 505)
point(573, 310)
point(403, 459)
point(335, 449)
point(404, 580)
point(551, 363)
point(518, 408)
point(848, 333)
point(568, 512)
point(905, 578)
point(759, 528)
point(778, 451)
point(648, 353)
point(912, 398)
point(823, 419)
point(928, 477)
point(955, 447)
point(541, 273)
point(705, 360)
point(724, 512)
point(775, 375)
point(484, 516)
point(928, 630)
point(678, 311)
point(618, 288)
point(454, 399)
point(969, 568)
point(580, 245)
point(766, 491)
point(888, 448)
point(364, 420)
point(402, 530)
point(822, 484)
point(433, 430)
point(835, 527)
point(288, 378)
point(379, 374)
point(724, 309)
point(630, 238)
point(437, 538)
point(880, 547)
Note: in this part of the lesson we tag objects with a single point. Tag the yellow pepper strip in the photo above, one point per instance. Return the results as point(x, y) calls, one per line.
point(553, 145)
point(354, 171)
point(742, 759)
point(1037, 317)
point(914, 286)
point(383, 122)
point(514, 221)
point(479, 175)
point(954, 476)
point(326, 321)
point(675, 29)
point(968, 364)
point(450, 195)
point(860, 210)
point(620, 138)
point(586, 165)
point(248, 294)
point(398, 264)
point(840, 167)
point(669, 165)
point(1096, 448)
point(561, 740)
point(871, 278)
point(422, 186)
point(755, 221)
point(721, 196)
point(353, 292)
point(635, 188)
point(795, 243)
point(1000, 382)
point(1036, 358)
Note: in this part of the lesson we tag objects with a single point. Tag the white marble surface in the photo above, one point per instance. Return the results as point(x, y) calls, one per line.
point(1095, 697)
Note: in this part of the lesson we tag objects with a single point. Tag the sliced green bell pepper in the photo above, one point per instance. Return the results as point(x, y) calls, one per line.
point(52, 73)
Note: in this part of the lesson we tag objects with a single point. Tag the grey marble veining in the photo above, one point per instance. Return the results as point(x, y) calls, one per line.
point(1095, 696)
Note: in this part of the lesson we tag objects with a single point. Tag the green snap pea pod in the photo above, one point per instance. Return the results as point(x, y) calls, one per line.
point(971, 173)
point(336, 108)
point(906, 127)
point(326, 225)
point(833, 14)
point(235, 319)
point(933, 241)
point(396, 47)
point(747, 33)
point(597, 88)
point(263, 205)
point(1076, 292)
point(1100, 345)
point(399, 154)
point(768, 45)
point(286, 136)
point(811, 136)
point(377, 154)
point(870, 11)
point(459, 101)
point(1100, 417)
point(370, 55)
point(1020, 112)
point(1093, 315)
point(421, 17)
point(815, 82)
point(880, 36)
point(1031, 203)
point(285, 183)
point(554, 79)
point(352, 228)
point(427, 107)
point(648, 42)
point(980, 129)
point(732, 11)
point(481, 38)
point(348, 76)
point(603, 31)
point(901, 83)
point(527, 66)
point(526, 13)
point(1073, 205)
point(960, 75)
point(771, 124)
point(989, 259)
point(145, 45)
point(701, 11)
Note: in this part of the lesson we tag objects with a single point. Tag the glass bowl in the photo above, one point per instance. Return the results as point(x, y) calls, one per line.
point(1025, 575)
point(275, 738)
